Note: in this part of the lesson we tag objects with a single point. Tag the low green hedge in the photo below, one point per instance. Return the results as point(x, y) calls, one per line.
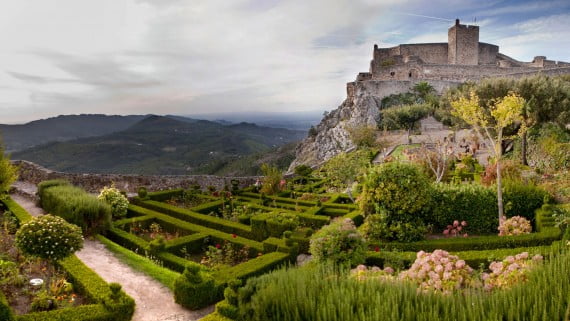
point(192, 243)
point(454, 244)
point(202, 219)
point(162, 196)
point(21, 214)
point(42, 186)
point(127, 240)
point(78, 207)
point(473, 258)
point(356, 217)
point(214, 234)
point(197, 287)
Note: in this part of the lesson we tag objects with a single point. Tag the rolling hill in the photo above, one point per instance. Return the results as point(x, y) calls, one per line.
point(163, 145)
point(62, 128)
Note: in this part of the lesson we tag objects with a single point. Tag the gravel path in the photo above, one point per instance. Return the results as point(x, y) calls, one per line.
point(154, 302)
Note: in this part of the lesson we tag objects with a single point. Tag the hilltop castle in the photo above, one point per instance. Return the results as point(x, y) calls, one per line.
point(396, 70)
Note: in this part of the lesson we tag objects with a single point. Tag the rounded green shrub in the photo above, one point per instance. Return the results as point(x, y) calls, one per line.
point(377, 228)
point(49, 237)
point(118, 202)
point(338, 242)
point(195, 289)
point(400, 189)
point(142, 192)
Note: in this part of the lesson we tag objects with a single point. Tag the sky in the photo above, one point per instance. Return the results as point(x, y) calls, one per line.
point(204, 56)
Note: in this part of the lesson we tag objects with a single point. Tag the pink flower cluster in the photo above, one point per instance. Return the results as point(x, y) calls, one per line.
point(438, 272)
point(515, 225)
point(455, 229)
point(362, 273)
point(510, 271)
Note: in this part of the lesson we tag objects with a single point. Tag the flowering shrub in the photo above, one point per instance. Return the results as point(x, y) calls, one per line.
point(338, 242)
point(118, 202)
point(456, 229)
point(510, 271)
point(226, 254)
point(49, 237)
point(515, 225)
point(439, 272)
point(362, 273)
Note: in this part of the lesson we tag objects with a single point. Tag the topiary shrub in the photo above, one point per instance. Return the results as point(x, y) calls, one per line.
point(142, 192)
point(118, 202)
point(195, 289)
point(400, 189)
point(339, 243)
point(49, 237)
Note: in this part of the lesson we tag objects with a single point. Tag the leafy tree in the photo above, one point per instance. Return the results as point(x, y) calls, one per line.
point(303, 170)
point(399, 189)
point(343, 169)
point(505, 112)
point(362, 135)
point(404, 117)
point(8, 173)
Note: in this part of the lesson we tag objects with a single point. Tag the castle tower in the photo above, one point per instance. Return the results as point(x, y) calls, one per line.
point(463, 44)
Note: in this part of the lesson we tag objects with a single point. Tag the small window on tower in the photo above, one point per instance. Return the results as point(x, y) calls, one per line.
point(410, 74)
point(392, 73)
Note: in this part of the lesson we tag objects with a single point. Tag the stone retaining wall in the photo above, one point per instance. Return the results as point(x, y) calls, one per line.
point(34, 173)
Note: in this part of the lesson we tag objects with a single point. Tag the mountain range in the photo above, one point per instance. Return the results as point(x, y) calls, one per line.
point(165, 145)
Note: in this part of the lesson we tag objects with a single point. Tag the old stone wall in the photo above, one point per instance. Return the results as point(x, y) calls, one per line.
point(34, 173)
point(488, 54)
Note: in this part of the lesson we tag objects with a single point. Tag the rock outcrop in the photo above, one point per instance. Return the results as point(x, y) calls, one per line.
point(361, 107)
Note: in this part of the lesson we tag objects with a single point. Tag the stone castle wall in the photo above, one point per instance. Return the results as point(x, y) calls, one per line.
point(34, 173)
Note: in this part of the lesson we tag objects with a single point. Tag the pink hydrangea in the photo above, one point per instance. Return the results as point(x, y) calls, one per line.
point(512, 270)
point(438, 272)
point(515, 225)
point(455, 229)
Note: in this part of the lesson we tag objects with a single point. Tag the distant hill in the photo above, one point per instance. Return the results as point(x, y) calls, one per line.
point(163, 145)
point(62, 128)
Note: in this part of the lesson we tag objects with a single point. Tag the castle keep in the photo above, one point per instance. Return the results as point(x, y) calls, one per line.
point(396, 70)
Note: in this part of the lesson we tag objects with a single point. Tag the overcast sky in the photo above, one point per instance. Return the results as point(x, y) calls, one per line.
point(203, 56)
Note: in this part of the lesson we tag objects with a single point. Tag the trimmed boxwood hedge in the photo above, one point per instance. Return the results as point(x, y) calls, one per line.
point(546, 237)
point(162, 196)
point(87, 282)
point(472, 258)
point(197, 218)
point(477, 204)
point(5, 311)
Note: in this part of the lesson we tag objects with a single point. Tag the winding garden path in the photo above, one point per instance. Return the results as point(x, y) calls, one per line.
point(154, 302)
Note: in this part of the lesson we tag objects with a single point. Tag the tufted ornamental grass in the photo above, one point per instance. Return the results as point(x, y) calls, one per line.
point(318, 293)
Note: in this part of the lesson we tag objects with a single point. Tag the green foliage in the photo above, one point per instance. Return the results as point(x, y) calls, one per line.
point(523, 199)
point(400, 189)
point(325, 294)
point(363, 136)
point(118, 202)
point(77, 207)
point(343, 169)
point(49, 237)
point(5, 311)
point(142, 192)
point(8, 173)
point(195, 288)
point(339, 243)
point(303, 170)
point(44, 185)
point(472, 203)
point(546, 237)
point(377, 228)
point(404, 117)
point(272, 177)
